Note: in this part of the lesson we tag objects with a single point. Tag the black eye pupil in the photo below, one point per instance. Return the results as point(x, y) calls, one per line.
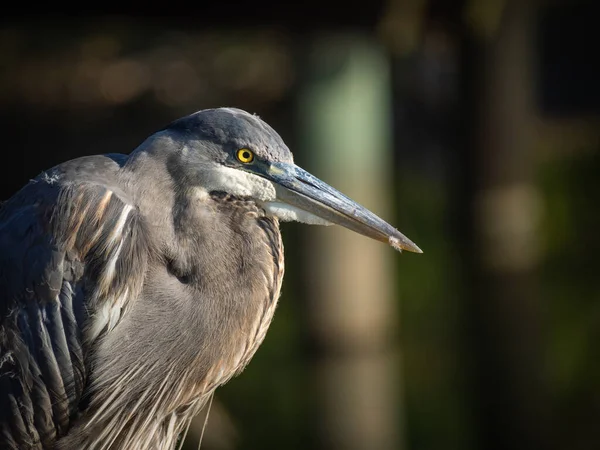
point(246, 155)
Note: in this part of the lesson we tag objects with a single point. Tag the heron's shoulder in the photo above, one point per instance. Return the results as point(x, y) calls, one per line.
point(85, 216)
point(97, 169)
point(94, 164)
point(83, 197)
point(87, 176)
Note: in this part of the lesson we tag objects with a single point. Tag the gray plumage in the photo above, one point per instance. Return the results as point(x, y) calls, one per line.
point(131, 287)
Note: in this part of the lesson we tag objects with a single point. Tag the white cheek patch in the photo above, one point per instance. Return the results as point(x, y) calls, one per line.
point(244, 184)
point(239, 183)
point(289, 213)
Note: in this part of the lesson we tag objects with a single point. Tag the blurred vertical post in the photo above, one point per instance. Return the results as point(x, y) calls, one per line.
point(345, 138)
point(505, 314)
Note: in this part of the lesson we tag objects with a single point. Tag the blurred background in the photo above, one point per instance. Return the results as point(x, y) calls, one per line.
point(471, 125)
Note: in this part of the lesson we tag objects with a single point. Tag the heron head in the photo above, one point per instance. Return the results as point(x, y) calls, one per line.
point(230, 150)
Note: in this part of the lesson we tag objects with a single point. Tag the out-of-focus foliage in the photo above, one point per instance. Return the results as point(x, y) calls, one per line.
point(571, 293)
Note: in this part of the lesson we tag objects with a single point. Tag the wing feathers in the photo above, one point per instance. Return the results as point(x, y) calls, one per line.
point(72, 335)
point(71, 258)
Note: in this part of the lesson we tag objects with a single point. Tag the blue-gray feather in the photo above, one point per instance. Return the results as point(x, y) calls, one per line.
point(46, 276)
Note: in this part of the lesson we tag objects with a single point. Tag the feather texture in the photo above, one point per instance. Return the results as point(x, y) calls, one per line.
point(53, 280)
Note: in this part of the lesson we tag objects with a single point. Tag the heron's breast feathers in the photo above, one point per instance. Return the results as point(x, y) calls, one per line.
point(226, 368)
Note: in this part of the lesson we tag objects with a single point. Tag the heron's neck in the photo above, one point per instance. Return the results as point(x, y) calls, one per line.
point(146, 178)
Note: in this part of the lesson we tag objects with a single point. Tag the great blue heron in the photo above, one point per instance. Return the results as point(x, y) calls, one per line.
point(131, 287)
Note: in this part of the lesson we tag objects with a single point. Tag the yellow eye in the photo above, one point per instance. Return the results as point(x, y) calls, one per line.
point(245, 156)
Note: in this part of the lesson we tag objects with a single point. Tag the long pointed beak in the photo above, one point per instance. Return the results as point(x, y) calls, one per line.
point(306, 192)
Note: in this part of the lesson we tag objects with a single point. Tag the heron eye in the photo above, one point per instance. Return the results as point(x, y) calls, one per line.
point(245, 156)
